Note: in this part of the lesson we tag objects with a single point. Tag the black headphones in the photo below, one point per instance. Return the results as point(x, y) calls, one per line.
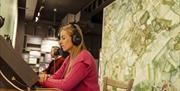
point(76, 37)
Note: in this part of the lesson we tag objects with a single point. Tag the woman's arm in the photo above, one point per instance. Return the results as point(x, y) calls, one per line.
point(78, 72)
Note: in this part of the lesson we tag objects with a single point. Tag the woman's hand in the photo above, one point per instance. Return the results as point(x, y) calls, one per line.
point(42, 77)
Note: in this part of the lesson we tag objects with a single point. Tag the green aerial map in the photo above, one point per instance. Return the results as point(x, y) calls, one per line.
point(141, 40)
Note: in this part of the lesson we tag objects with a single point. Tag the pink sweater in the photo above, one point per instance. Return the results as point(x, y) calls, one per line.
point(82, 77)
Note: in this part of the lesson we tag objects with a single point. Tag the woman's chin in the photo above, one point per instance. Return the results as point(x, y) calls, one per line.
point(64, 49)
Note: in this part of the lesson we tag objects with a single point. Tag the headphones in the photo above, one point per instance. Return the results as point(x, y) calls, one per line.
point(76, 37)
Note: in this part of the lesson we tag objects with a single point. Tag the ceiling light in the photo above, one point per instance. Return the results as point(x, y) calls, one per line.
point(54, 9)
point(38, 14)
point(36, 19)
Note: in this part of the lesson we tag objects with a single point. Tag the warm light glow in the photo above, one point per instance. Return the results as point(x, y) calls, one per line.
point(35, 53)
point(32, 60)
point(38, 14)
point(47, 44)
point(36, 19)
point(34, 39)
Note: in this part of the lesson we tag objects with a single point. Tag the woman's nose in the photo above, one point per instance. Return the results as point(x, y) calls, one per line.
point(60, 42)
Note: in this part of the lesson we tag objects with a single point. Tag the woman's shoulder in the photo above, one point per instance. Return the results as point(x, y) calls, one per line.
point(85, 57)
point(85, 53)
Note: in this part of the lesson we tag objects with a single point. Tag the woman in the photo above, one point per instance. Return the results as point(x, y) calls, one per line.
point(58, 56)
point(78, 72)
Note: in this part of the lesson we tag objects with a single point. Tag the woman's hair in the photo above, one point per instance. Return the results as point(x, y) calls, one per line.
point(71, 28)
point(54, 50)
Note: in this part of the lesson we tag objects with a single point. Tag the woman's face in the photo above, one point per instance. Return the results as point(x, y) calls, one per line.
point(65, 41)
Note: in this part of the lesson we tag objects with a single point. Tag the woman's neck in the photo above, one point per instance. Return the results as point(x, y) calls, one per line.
point(71, 57)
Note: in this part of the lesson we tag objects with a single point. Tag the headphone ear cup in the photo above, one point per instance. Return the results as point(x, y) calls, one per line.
point(76, 38)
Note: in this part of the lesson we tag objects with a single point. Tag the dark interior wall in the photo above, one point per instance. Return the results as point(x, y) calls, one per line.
point(20, 36)
point(92, 31)
point(20, 31)
point(40, 29)
point(93, 44)
point(92, 37)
